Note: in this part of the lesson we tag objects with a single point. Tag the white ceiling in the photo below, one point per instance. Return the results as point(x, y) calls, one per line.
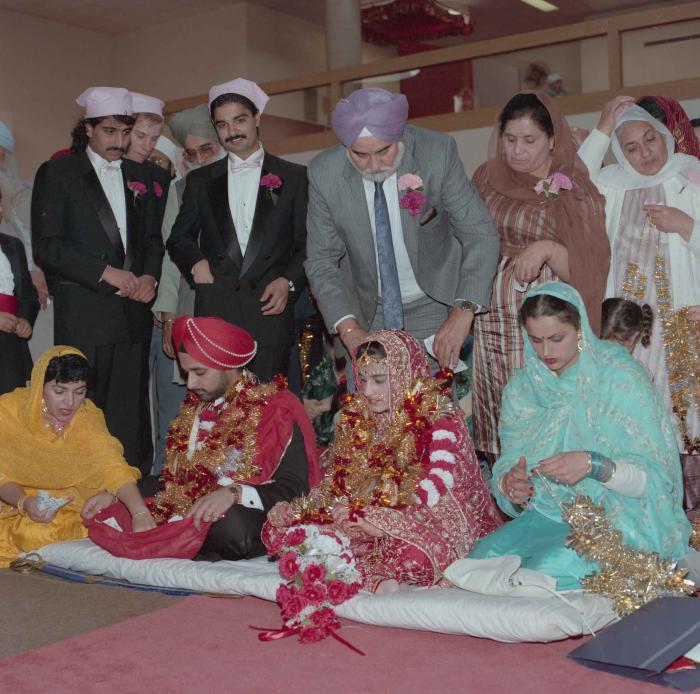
point(492, 17)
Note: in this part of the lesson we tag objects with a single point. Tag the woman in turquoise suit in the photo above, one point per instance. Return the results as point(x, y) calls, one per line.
point(581, 417)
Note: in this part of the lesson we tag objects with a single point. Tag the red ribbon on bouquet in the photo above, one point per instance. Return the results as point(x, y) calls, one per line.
point(277, 634)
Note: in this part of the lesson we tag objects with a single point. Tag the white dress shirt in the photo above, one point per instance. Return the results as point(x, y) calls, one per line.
point(7, 278)
point(243, 184)
point(110, 176)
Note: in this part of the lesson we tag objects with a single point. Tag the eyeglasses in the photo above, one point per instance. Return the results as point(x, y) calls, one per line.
point(163, 162)
point(201, 151)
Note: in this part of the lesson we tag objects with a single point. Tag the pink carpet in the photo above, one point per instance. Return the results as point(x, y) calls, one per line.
point(204, 645)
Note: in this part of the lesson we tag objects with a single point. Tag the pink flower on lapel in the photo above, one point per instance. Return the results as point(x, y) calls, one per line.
point(271, 181)
point(157, 189)
point(413, 201)
point(137, 188)
point(552, 185)
point(413, 198)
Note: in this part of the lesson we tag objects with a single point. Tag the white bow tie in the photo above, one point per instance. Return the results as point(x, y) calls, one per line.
point(246, 165)
point(110, 167)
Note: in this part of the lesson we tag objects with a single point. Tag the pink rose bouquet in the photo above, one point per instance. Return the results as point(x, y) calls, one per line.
point(319, 572)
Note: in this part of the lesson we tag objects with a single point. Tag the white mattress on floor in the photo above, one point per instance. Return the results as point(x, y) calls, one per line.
point(447, 610)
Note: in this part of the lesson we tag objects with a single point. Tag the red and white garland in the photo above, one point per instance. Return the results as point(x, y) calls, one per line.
point(441, 457)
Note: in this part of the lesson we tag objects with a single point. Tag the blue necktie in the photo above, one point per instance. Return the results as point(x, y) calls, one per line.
point(388, 273)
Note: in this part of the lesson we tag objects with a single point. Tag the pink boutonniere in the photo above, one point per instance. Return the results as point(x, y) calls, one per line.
point(157, 189)
point(137, 188)
point(413, 197)
point(271, 182)
point(552, 185)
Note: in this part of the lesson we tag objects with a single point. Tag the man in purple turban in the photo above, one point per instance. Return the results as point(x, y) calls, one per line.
point(397, 236)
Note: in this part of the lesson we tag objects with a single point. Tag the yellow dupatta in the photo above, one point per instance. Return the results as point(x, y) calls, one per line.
point(81, 461)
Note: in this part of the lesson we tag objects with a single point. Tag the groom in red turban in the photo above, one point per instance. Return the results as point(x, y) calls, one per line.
point(237, 447)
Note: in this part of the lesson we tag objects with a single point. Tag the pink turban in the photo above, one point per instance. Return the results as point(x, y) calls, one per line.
point(379, 112)
point(213, 342)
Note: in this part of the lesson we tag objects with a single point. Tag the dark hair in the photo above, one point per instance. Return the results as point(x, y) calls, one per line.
point(623, 318)
point(548, 305)
point(652, 107)
point(67, 369)
point(522, 105)
point(695, 122)
point(79, 132)
point(371, 349)
point(232, 99)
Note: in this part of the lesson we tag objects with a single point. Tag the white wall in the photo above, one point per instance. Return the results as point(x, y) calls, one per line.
point(186, 56)
point(45, 65)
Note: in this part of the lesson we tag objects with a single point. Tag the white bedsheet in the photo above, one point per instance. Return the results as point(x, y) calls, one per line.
point(508, 618)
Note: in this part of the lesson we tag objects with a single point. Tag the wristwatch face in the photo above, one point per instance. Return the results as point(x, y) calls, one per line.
point(465, 305)
point(291, 286)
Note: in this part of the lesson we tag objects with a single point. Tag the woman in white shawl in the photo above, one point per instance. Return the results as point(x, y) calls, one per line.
point(652, 208)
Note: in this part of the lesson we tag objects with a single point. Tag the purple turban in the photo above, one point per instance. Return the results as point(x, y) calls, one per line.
point(380, 112)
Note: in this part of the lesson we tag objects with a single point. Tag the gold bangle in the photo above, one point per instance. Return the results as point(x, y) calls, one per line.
point(236, 492)
point(141, 513)
point(348, 330)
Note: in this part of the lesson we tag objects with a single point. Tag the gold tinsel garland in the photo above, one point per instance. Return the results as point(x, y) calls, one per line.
point(631, 578)
point(232, 443)
point(385, 472)
point(681, 343)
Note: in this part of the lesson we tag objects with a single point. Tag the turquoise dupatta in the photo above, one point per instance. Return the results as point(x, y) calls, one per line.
point(605, 403)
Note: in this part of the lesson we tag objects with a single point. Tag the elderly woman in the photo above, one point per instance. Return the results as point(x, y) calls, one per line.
point(581, 417)
point(549, 217)
point(401, 477)
point(59, 463)
point(652, 206)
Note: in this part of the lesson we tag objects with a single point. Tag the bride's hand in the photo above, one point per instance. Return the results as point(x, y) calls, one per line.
point(280, 515)
point(516, 485)
point(565, 468)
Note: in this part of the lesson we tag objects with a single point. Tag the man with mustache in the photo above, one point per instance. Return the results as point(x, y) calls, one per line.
point(240, 237)
point(96, 233)
point(398, 237)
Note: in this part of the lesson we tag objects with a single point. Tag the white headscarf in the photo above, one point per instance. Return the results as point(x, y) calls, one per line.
point(623, 176)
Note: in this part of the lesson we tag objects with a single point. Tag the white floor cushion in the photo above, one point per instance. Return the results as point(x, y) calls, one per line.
point(508, 618)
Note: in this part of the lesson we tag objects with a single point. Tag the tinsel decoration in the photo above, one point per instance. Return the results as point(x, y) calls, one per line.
point(631, 578)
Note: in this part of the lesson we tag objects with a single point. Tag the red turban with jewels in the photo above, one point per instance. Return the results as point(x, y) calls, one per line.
point(213, 342)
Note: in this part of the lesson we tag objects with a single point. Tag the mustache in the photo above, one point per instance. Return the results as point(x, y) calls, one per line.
point(234, 138)
point(122, 150)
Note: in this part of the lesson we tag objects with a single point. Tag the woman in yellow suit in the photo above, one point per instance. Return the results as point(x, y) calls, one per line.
point(58, 462)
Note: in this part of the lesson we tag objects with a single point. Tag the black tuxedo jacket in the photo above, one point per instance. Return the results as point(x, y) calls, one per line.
point(75, 236)
point(204, 229)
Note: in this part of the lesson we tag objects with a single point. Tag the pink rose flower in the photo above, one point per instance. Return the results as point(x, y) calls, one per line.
point(296, 537)
point(284, 594)
point(293, 607)
point(337, 593)
point(313, 573)
point(157, 189)
point(137, 188)
point(314, 593)
point(325, 617)
point(539, 188)
point(312, 635)
point(413, 202)
point(288, 565)
point(271, 181)
point(410, 182)
point(560, 181)
point(351, 590)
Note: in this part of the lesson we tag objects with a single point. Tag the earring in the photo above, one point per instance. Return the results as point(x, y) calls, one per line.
point(579, 342)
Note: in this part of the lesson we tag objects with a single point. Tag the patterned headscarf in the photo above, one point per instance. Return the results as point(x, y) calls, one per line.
point(679, 125)
point(405, 362)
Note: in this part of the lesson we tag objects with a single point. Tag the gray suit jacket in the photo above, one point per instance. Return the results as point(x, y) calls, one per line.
point(454, 255)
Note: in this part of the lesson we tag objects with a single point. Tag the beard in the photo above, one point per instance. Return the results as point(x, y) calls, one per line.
point(385, 172)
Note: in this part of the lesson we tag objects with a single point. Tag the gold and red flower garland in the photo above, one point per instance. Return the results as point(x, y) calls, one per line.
point(185, 481)
point(386, 472)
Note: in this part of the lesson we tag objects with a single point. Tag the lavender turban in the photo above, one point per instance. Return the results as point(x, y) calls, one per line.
point(380, 112)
